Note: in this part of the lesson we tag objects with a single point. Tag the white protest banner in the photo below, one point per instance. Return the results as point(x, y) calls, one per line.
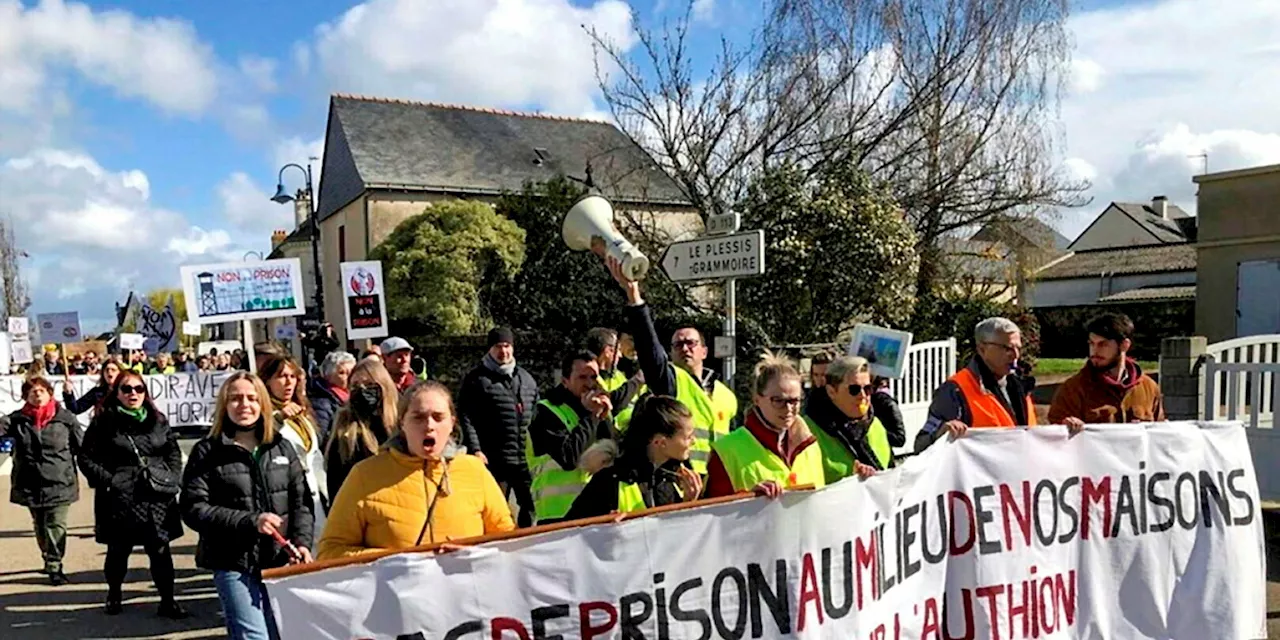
point(1124, 531)
point(235, 291)
point(6, 353)
point(57, 328)
point(131, 341)
point(190, 328)
point(366, 302)
point(286, 331)
point(187, 399)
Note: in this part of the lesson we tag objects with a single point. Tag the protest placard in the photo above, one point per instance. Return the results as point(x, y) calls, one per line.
point(186, 399)
point(1127, 531)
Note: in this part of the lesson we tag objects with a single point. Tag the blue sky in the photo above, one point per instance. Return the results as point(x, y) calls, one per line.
point(138, 136)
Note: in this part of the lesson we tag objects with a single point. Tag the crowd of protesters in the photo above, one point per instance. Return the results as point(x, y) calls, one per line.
point(92, 363)
point(362, 454)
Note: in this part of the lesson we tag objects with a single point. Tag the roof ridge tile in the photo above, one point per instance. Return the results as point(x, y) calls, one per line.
point(465, 107)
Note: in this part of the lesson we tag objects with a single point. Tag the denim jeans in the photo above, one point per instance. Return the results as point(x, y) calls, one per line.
point(245, 606)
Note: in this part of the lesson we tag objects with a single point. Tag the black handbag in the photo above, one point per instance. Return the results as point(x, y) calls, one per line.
point(156, 477)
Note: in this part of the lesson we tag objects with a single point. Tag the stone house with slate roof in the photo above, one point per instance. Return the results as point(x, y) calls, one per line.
point(386, 160)
point(995, 262)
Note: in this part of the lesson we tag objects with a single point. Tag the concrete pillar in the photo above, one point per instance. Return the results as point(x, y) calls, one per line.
point(1179, 379)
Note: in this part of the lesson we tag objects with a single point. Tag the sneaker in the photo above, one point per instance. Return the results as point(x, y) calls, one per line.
point(58, 578)
point(173, 611)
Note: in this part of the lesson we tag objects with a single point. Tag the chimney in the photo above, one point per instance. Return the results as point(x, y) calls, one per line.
point(301, 209)
point(277, 238)
point(1160, 204)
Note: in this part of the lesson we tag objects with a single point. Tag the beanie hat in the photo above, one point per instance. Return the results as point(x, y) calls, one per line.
point(501, 334)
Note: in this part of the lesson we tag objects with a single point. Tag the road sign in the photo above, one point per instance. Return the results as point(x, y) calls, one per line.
point(723, 223)
point(716, 258)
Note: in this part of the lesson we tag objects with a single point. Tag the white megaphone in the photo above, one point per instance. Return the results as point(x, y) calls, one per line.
point(589, 226)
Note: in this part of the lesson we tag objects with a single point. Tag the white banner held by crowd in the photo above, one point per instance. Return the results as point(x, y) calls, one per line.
point(187, 399)
point(1126, 531)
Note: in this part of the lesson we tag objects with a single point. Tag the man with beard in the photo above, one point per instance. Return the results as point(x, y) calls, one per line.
point(1111, 388)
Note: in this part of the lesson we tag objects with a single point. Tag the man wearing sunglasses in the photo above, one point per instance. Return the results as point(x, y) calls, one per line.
point(681, 373)
point(839, 414)
point(986, 393)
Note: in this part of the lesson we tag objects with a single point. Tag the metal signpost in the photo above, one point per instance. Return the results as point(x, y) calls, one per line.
point(722, 254)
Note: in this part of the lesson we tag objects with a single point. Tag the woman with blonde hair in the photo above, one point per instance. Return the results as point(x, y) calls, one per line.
point(245, 492)
point(776, 450)
point(364, 424)
point(421, 488)
point(291, 410)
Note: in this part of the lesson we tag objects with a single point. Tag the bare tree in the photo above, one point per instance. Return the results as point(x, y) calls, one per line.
point(16, 300)
point(950, 104)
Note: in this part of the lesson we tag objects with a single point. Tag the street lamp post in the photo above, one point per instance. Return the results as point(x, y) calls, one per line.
point(283, 197)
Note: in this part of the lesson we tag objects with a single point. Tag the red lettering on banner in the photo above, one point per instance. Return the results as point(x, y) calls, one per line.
point(808, 591)
point(959, 549)
point(1011, 512)
point(1099, 493)
point(502, 625)
point(865, 557)
point(590, 630)
point(991, 593)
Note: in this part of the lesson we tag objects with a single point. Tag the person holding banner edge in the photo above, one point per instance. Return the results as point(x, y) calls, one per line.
point(839, 413)
point(131, 459)
point(244, 486)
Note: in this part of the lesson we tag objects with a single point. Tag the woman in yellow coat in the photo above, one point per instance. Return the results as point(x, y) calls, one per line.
point(421, 488)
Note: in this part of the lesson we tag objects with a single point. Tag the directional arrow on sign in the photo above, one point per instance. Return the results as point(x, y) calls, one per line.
point(716, 257)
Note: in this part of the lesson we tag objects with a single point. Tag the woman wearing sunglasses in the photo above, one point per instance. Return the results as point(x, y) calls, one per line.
point(132, 460)
point(776, 450)
point(852, 439)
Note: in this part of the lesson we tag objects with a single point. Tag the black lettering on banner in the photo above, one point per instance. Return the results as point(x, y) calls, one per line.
point(413, 636)
point(632, 620)
point(1190, 522)
point(1210, 490)
point(1124, 506)
point(660, 599)
point(775, 600)
point(931, 557)
point(1046, 537)
point(1068, 510)
point(1142, 497)
point(741, 606)
point(986, 546)
point(542, 615)
point(1232, 477)
point(1158, 500)
point(836, 612)
point(909, 565)
point(695, 615)
point(471, 626)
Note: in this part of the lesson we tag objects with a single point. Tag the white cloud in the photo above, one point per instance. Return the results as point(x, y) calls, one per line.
point(488, 52)
point(249, 207)
point(260, 71)
point(1156, 82)
point(703, 9)
point(157, 59)
point(94, 233)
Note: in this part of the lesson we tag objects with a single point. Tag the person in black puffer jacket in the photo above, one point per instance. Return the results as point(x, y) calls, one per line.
point(46, 443)
point(648, 469)
point(495, 406)
point(243, 483)
point(128, 435)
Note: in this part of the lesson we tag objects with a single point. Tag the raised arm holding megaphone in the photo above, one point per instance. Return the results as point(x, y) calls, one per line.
point(589, 226)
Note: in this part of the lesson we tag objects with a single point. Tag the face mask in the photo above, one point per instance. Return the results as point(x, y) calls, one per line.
point(366, 400)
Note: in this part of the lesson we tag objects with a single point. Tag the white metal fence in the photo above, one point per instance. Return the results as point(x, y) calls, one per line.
point(929, 364)
point(1238, 381)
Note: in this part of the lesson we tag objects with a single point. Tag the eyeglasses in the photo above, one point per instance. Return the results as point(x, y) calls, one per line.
point(680, 344)
point(781, 403)
point(856, 389)
point(129, 388)
point(1007, 348)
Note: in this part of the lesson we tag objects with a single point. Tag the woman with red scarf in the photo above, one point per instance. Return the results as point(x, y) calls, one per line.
point(46, 443)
